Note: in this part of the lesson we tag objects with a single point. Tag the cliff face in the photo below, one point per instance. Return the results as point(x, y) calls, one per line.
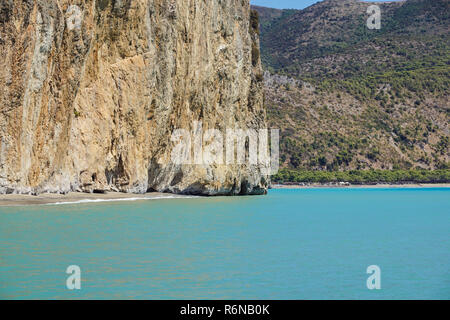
point(91, 92)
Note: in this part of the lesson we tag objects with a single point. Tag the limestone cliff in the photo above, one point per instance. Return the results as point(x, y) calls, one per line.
point(91, 91)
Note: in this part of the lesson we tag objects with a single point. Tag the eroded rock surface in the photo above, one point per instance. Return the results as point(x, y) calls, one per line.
point(91, 92)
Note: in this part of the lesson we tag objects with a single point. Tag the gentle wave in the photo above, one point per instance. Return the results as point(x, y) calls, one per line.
point(119, 199)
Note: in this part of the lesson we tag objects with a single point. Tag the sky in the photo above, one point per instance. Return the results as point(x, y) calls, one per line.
point(284, 4)
point(287, 4)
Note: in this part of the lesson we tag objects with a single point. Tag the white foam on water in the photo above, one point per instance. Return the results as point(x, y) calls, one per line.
point(119, 199)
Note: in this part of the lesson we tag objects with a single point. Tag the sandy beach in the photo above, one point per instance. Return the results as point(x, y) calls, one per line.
point(75, 197)
point(363, 186)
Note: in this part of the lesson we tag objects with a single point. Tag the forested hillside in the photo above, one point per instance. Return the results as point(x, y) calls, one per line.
point(349, 98)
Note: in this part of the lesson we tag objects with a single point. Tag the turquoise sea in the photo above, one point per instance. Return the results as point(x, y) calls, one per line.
point(290, 244)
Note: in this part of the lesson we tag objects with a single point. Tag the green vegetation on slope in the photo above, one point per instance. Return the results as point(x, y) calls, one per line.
point(364, 176)
point(358, 99)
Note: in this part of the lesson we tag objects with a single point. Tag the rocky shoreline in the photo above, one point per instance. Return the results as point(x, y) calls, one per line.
point(82, 197)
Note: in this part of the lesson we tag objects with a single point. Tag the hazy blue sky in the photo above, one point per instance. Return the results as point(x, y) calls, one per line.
point(286, 4)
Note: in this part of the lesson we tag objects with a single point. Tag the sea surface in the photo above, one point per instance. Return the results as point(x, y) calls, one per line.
point(290, 244)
